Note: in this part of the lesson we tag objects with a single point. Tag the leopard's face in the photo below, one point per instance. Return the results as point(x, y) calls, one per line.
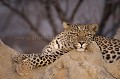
point(82, 34)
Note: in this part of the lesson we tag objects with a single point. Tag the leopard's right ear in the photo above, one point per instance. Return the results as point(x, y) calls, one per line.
point(94, 27)
point(66, 25)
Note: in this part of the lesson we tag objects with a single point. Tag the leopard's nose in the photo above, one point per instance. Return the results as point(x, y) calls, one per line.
point(81, 43)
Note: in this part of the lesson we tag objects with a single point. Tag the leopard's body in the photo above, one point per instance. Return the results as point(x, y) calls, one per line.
point(110, 48)
point(74, 36)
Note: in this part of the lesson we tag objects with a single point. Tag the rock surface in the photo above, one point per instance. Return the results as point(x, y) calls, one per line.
point(73, 65)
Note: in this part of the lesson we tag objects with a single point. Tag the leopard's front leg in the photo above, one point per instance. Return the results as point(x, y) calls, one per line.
point(20, 57)
point(26, 65)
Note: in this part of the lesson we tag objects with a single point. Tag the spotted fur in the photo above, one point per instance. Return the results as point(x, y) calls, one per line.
point(110, 48)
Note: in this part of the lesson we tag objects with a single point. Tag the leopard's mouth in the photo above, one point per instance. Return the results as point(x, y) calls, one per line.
point(81, 48)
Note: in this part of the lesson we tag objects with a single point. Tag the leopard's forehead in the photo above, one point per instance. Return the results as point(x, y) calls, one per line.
point(81, 27)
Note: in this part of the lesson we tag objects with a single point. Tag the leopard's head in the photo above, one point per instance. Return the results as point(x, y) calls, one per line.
point(82, 34)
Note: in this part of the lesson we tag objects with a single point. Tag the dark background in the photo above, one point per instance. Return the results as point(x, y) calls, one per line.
point(28, 25)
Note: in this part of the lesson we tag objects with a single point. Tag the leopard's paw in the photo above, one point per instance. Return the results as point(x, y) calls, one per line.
point(24, 68)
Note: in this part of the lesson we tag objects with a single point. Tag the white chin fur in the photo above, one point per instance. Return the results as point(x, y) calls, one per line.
point(81, 50)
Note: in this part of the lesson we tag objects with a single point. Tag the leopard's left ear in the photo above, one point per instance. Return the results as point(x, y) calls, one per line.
point(94, 27)
point(66, 25)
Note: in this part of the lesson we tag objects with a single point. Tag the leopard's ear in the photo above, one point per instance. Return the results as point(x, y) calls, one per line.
point(66, 25)
point(94, 27)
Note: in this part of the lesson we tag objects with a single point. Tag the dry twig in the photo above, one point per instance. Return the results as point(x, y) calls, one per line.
point(75, 10)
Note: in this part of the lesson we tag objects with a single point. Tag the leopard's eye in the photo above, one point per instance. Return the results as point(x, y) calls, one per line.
point(72, 33)
point(89, 34)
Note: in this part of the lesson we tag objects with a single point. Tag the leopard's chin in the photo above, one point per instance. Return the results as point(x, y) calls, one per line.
point(80, 49)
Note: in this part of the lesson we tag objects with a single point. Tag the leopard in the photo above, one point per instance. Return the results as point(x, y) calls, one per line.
point(74, 36)
point(61, 44)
